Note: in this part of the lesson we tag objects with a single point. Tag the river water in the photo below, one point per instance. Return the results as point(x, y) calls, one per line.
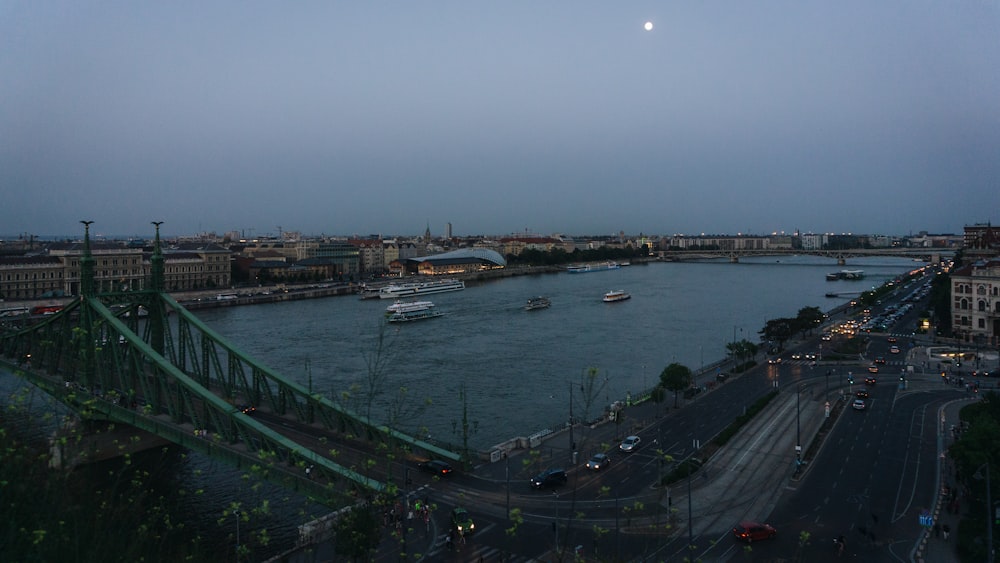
point(515, 365)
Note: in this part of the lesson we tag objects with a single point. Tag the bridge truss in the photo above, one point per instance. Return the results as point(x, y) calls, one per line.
point(141, 359)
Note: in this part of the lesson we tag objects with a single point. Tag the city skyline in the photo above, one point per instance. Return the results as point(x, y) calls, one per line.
point(342, 119)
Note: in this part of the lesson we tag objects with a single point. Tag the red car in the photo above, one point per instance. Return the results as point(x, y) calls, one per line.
point(754, 531)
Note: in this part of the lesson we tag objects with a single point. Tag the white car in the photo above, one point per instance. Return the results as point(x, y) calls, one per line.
point(598, 462)
point(629, 444)
point(860, 405)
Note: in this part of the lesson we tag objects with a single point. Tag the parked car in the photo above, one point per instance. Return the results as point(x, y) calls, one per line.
point(630, 444)
point(435, 466)
point(753, 531)
point(461, 522)
point(598, 462)
point(549, 478)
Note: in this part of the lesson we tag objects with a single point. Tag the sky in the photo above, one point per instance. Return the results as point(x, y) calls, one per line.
point(357, 118)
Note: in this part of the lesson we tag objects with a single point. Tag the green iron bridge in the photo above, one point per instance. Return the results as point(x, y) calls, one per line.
point(139, 359)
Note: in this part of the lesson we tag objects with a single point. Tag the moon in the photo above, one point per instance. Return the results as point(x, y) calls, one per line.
point(648, 26)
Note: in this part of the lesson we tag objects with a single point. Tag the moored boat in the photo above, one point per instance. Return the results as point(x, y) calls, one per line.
point(397, 290)
point(537, 303)
point(598, 267)
point(616, 295)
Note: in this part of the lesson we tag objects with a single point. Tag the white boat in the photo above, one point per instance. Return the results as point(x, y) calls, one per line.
point(397, 290)
point(408, 306)
point(599, 267)
point(407, 316)
point(537, 303)
point(616, 295)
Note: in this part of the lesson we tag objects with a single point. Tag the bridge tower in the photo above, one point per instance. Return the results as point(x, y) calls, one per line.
point(88, 370)
point(157, 311)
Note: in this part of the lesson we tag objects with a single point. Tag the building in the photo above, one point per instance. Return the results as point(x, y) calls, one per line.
point(117, 267)
point(975, 307)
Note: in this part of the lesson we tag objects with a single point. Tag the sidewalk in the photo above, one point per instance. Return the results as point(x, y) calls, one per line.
point(933, 547)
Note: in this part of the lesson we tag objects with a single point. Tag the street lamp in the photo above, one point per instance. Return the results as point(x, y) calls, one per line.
point(989, 511)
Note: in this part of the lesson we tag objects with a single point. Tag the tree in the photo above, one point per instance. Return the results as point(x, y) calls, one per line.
point(809, 317)
point(357, 533)
point(676, 378)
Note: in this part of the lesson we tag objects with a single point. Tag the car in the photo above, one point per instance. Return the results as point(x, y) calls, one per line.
point(721, 377)
point(873, 368)
point(796, 356)
point(869, 380)
point(774, 360)
point(810, 356)
point(826, 336)
point(892, 339)
point(247, 409)
point(630, 444)
point(435, 466)
point(859, 405)
point(598, 462)
point(879, 360)
point(549, 478)
point(894, 349)
point(750, 532)
point(862, 394)
point(461, 522)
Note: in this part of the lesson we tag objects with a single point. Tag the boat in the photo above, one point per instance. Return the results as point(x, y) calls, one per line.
point(416, 315)
point(597, 267)
point(616, 295)
point(537, 303)
point(369, 291)
point(846, 275)
point(397, 290)
point(408, 306)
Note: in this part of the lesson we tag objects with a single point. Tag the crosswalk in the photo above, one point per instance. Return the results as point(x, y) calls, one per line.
point(471, 551)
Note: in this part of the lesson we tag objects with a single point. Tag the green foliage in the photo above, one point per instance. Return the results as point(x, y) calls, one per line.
point(676, 377)
point(357, 534)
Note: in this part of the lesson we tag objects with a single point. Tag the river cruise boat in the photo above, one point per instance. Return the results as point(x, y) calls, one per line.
point(846, 275)
point(536, 303)
point(616, 295)
point(417, 315)
point(408, 307)
point(598, 267)
point(408, 289)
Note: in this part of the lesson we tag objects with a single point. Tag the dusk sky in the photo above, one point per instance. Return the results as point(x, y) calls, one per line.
point(356, 118)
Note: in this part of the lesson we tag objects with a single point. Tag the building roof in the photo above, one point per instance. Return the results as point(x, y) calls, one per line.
point(464, 255)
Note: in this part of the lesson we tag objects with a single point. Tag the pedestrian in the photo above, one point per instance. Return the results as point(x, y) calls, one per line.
point(937, 530)
point(945, 530)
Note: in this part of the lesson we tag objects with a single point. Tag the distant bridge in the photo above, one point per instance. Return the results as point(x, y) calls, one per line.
point(140, 359)
point(931, 255)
